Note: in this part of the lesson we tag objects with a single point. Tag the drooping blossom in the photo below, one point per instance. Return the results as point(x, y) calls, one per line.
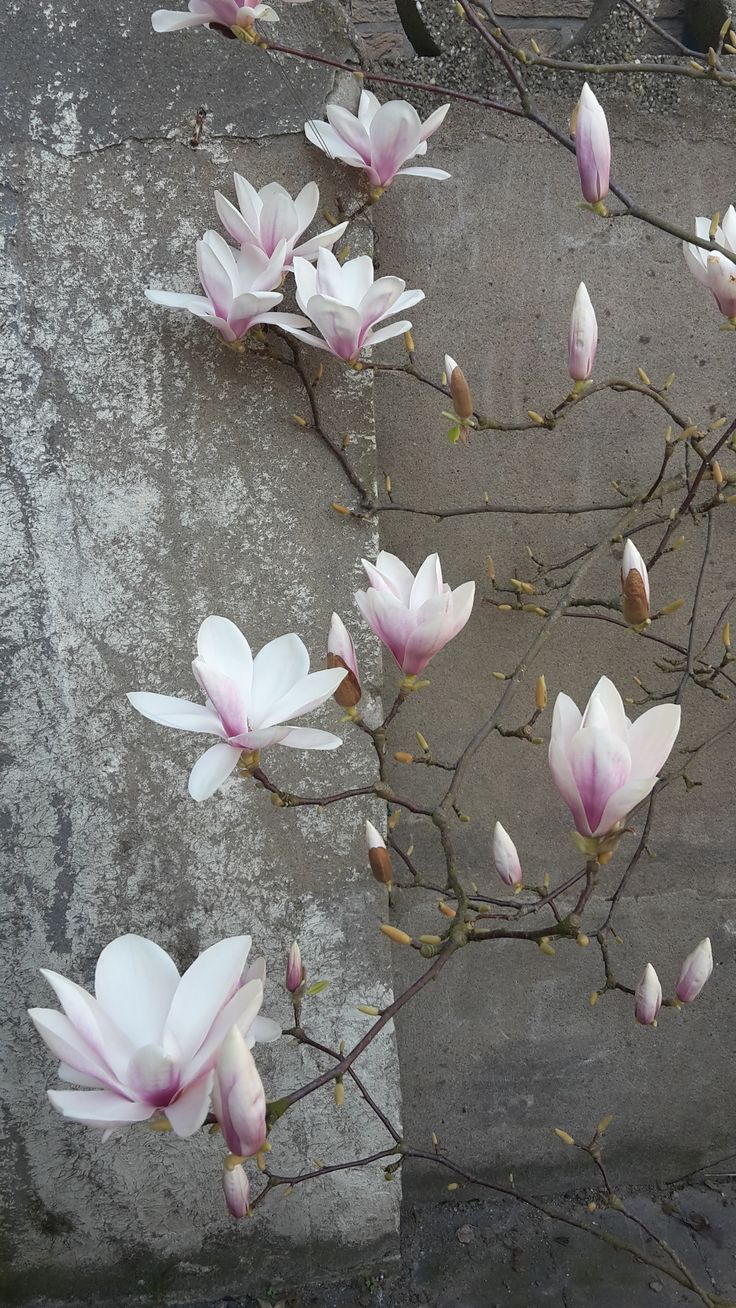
point(148, 1040)
point(648, 997)
point(345, 303)
point(602, 764)
point(712, 268)
point(238, 1098)
point(506, 857)
point(694, 973)
point(295, 972)
point(592, 147)
point(250, 701)
point(380, 138)
point(341, 654)
point(415, 617)
point(265, 218)
point(238, 286)
point(224, 13)
point(236, 1186)
point(635, 585)
point(378, 855)
point(582, 341)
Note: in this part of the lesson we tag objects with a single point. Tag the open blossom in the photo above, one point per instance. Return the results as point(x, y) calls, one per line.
point(341, 654)
point(266, 217)
point(378, 855)
point(602, 764)
point(592, 146)
point(380, 139)
point(238, 1098)
point(148, 1040)
point(505, 856)
point(710, 267)
point(250, 701)
point(226, 13)
point(635, 585)
point(415, 617)
point(238, 286)
point(344, 303)
point(695, 972)
point(648, 997)
point(582, 341)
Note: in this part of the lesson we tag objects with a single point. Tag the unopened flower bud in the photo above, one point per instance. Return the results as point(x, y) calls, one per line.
point(582, 340)
point(378, 855)
point(459, 390)
point(648, 997)
point(505, 856)
point(592, 147)
point(341, 654)
point(635, 586)
point(695, 972)
point(237, 1190)
point(564, 1136)
point(540, 694)
point(238, 1098)
point(726, 635)
point(393, 933)
point(295, 972)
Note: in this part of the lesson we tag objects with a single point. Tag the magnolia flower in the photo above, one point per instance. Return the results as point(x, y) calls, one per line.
point(148, 1041)
point(695, 972)
point(226, 13)
point(635, 585)
point(238, 1098)
point(415, 617)
point(250, 701)
point(602, 764)
point(344, 303)
point(648, 997)
point(378, 855)
point(592, 147)
point(295, 972)
point(238, 288)
point(341, 654)
point(379, 139)
point(237, 1189)
point(265, 218)
point(710, 267)
point(582, 341)
point(506, 857)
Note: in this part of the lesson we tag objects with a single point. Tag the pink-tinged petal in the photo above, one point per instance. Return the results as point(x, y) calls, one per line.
point(240, 1011)
point(248, 308)
point(427, 583)
point(212, 770)
point(368, 107)
point(260, 739)
point(339, 324)
point(67, 1073)
point(169, 711)
point(566, 721)
point(407, 300)
point(395, 133)
point(437, 174)
point(434, 121)
point(601, 765)
point(238, 1098)
point(426, 640)
point(216, 280)
point(263, 1030)
point(306, 204)
point(622, 802)
point(325, 240)
point(291, 322)
point(390, 573)
point(135, 982)
point(277, 667)
point(268, 273)
point(505, 856)
point(334, 278)
point(648, 997)
point(379, 299)
point(387, 618)
point(172, 20)
point(695, 971)
point(592, 147)
point(605, 695)
point(104, 1037)
point(340, 644)
point(462, 606)
point(651, 738)
point(255, 971)
point(324, 136)
point(305, 276)
point(153, 1076)
point(226, 696)
point(219, 11)
point(66, 1044)
point(373, 337)
point(235, 1183)
point(279, 218)
point(190, 1108)
point(351, 131)
point(307, 694)
point(221, 644)
point(234, 222)
point(310, 738)
point(99, 1108)
point(249, 202)
point(203, 991)
point(197, 304)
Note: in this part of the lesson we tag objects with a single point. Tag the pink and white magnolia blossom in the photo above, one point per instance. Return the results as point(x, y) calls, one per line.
point(344, 303)
point(250, 701)
point(236, 1186)
point(227, 13)
point(295, 972)
point(592, 146)
point(647, 997)
point(380, 138)
point(238, 1098)
point(694, 972)
point(265, 218)
point(341, 654)
point(148, 1040)
point(415, 617)
point(238, 286)
point(710, 267)
point(506, 857)
point(582, 341)
point(602, 764)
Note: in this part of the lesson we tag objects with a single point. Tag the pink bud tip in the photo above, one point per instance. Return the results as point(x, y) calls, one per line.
point(648, 997)
point(694, 973)
point(294, 969)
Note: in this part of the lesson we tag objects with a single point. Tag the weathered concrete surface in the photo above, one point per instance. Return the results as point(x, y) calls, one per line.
point(152, 478)
point(505, 1046)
